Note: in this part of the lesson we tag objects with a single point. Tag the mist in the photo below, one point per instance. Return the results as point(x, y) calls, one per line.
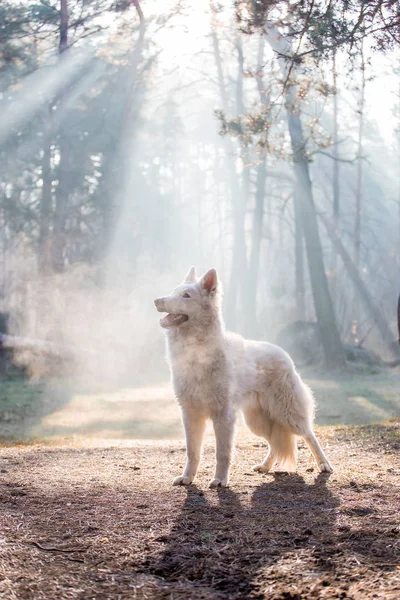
point(150, 139)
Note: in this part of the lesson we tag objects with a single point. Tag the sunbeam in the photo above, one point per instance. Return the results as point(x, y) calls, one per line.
point(38, 89)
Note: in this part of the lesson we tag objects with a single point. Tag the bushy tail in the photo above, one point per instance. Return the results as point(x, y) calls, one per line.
point(284, 447)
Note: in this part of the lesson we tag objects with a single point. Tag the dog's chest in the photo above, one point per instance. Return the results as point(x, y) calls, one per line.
point(199, 375)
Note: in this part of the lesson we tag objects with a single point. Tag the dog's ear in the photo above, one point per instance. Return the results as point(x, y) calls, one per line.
point(191, 276)
point(209, 281)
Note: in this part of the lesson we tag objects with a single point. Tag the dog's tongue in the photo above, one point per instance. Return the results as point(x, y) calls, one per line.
point(172, 320)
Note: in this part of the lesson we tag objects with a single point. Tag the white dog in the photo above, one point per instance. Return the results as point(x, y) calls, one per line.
point(216, 373)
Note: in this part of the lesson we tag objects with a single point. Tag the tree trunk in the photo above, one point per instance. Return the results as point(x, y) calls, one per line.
point(45, 211)
point(60, 213)
point(335, 150)
point(363, 293)
point(120, 161)
point(358, 198)
point(253, 271)
point(334, 355)
point(64, 16)
point(238, 277)
point(398, 153)
point(398, 319)
point(64, 158)
point(335, 175)
point(299, 261)
point(258, 217)
point(45, 207)
point(130, 109)
point(239, 259)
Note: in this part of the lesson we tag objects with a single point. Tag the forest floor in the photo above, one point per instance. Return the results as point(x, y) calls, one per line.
point(87, 509)
point(100, 519)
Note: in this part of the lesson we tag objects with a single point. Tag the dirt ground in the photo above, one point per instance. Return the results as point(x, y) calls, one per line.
point(100, 519)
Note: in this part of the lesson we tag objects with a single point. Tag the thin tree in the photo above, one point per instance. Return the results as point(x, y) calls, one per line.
point(364, 295)
point(335, 171)
point(60, 211)
point(359, 190)
point(299, 261)
point(120, 166)
point(258, 215)
point(330, 338)
point(239, 260)
point(359, 184)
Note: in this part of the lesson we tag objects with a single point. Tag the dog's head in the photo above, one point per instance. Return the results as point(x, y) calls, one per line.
point(195, 302)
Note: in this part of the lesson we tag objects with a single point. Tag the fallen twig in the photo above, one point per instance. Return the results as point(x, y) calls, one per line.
point(58, 549)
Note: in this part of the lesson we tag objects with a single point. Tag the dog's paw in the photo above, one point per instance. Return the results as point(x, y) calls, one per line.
point(260, 468)
point(325, 467)
point(181, 480)
point(216, 483)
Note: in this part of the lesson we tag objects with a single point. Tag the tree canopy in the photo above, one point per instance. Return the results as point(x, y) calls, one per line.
point(320, 27)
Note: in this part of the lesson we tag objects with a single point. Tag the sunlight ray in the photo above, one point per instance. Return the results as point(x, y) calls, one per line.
point(38, 88)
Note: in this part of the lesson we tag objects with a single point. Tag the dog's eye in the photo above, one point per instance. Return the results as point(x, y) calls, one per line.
point(185, 296)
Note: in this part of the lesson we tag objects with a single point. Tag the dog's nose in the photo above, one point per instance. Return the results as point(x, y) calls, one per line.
point(158, 302)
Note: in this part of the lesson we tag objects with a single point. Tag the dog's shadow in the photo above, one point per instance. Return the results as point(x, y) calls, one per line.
point(222, 541)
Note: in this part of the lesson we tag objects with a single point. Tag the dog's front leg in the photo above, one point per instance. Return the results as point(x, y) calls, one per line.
point(224, 427)
point(194, 425)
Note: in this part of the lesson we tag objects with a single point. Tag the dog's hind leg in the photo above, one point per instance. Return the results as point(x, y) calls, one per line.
point(267, 463)
point(194, 431)
point(322, 462)
point(283, 449)
point(259, 424)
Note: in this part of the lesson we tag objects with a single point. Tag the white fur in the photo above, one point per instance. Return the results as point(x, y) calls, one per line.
point(216, 373)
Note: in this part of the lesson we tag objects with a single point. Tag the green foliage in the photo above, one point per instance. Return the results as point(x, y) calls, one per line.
point(122, 5)
point(325, 25)
point(88, 118)
point(43, 14)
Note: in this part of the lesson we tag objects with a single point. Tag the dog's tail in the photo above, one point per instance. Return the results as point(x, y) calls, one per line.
point(284, 447)
point(294, 416)
point(291, 409)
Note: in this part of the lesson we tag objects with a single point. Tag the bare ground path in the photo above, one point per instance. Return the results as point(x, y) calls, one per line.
point(100, 519)
point(64, 407)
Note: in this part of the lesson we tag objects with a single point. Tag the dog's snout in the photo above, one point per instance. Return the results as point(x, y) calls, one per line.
point(159, 302)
